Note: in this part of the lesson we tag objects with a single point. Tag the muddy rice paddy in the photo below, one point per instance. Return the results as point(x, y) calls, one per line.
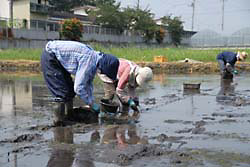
point(176, 127)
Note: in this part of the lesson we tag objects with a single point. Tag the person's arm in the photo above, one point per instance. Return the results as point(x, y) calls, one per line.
point(131, 91)
point(84, 79)
point(120, 90)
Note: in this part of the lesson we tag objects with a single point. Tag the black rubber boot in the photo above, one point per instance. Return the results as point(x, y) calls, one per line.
point(69, 109)
point(59, 114)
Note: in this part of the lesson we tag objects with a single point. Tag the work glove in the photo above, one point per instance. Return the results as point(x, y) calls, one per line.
point(132, 104)
point(235, 72)
point(136, 100)
point(95, 107)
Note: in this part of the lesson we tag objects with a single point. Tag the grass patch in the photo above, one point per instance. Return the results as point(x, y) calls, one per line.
point(20, 54)
point(130, 53)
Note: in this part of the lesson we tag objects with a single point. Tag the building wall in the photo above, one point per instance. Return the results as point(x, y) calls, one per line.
point(4, 9)
point(21, 9)
point(44, 2)
point(37, 16)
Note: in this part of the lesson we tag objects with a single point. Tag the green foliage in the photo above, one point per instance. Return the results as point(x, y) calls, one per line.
point(159, 35)
point(108, 15)
point(174, 27)
point(142, 21)
point(20, 54)
point(99, 3)
point(71, 29)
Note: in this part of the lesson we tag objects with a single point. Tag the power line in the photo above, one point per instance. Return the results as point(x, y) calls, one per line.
point(193, 6)
point(218, 12)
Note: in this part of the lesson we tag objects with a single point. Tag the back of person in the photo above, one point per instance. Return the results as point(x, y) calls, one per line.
point(71, 53)
point(228, 57)
point(125, 69)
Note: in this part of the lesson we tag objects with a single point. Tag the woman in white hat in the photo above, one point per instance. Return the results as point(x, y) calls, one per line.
point(130, 76)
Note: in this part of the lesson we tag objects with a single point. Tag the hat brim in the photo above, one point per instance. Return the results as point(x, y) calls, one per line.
point(139, 80)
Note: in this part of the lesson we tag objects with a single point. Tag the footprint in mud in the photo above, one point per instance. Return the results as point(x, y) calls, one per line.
point(149, 101)
point(23, 138)
point(230, 115)
point(198, 129)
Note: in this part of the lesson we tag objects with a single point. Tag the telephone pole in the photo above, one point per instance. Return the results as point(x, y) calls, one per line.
point(222, 20)
point(193, 6)
point(11, 12)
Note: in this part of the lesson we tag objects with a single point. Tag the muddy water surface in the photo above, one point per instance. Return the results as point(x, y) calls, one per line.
point(176, 127)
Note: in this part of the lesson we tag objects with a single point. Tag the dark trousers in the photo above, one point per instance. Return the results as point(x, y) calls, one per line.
point(222, 66)
point(58, 80)
point(225, 73)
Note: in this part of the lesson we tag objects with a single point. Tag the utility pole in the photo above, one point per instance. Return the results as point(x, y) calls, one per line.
point(11, 12)
point(222, 20)
point(138, 4)
point(193, 6)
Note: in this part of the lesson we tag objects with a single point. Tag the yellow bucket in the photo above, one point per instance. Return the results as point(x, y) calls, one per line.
point(160, 59)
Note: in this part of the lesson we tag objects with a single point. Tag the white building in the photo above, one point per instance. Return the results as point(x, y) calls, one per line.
point(4, 9)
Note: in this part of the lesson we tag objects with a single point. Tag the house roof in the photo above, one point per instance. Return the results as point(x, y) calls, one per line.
point(67, 15)
point(86, 7)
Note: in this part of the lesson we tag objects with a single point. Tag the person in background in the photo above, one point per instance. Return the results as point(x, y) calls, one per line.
point(61, 59)
point(227, 61)
point(130, 76)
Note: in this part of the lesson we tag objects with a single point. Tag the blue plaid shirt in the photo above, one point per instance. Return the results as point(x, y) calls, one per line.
point(80, 60)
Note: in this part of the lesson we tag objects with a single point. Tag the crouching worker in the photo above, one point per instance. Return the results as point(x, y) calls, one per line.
point(60, 60)
point(227, 61)
point(130, 76)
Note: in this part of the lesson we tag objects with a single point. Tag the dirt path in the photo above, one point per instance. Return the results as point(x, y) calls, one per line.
point(168, 67)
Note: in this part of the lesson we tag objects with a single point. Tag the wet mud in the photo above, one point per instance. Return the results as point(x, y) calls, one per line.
point(175, 127)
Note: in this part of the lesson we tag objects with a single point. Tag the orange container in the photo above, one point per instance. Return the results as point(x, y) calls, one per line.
point(160, 59)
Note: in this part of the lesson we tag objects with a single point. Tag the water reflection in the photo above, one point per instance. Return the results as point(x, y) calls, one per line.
point(227, 91)
point(62, 157)
point(83, 159)
point(16, 95)
point(63, 135)
point(122, 135)
point(160, 77)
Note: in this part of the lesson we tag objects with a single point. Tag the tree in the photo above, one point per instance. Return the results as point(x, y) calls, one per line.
point(159, 35)
point(71, 29)
point(174, 27)
point(99, 3)
point(142, 21)
point(109, 15)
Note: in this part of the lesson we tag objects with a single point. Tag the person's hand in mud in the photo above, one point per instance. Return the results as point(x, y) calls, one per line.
point(95, 107)
point(133, 105)
point(136, 100)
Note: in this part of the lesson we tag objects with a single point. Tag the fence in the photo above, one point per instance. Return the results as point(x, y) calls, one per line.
point(55, 26)
point(209, 38)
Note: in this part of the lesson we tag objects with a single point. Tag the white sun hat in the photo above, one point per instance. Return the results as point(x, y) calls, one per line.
point(145, 74)
point(243, 55)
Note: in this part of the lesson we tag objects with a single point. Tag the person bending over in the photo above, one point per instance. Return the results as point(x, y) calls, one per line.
point(61, 59)
point(130, 76)
point(227, 61)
